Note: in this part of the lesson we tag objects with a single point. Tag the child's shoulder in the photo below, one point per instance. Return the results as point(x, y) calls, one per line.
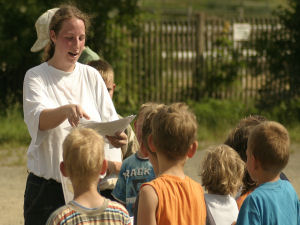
point(129, 160)
point(59, 214)
point(116, 207)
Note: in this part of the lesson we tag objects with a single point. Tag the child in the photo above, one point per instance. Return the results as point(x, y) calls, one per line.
point(238, 139)
point(107, 73)
point(173, 197)
point(135, 170)
point(222, 173)
point(146, 131)
point(83, 161)
point(274, 201)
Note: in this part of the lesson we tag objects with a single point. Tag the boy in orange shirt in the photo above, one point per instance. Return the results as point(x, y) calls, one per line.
point(173, 197)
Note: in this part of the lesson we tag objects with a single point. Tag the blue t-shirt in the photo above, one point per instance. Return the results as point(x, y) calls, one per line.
point(134, 172)
point(271, 203)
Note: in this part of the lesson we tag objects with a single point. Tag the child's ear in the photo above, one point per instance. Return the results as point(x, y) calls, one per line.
point(192, 149)
point(151, 145)
point(256, 163)
point(104, 167)
point(63, 169)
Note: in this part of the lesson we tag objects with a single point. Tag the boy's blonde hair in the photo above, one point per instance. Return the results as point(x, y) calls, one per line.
point(222, 170)
point(146, 128)
point(83, 154)
point(269, 143)
point(105, 69)
point(174, 130)
point(144, 110)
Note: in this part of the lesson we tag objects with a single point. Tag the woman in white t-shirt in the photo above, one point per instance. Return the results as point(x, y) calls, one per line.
point(56, 94)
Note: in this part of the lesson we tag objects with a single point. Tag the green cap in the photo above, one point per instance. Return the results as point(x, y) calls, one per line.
point(88, 55)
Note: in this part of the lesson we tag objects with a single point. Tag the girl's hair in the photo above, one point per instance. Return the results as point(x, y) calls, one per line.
point(222, 170)
point(64, 13)
point(238, 138)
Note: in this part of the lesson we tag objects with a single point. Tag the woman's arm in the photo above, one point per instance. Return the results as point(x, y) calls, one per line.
point(148, 202)
point(51, 118)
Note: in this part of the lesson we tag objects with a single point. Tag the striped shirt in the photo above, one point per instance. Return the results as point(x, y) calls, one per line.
point(110, 212)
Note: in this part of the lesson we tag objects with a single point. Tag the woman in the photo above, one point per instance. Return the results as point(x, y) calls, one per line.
point(56, 94)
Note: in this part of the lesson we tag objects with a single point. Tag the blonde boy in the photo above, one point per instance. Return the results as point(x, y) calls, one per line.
point(136, 169)
point(83, 161)
point(274, 201)
point(221, 175)
point(172, 198)
point(107, 73)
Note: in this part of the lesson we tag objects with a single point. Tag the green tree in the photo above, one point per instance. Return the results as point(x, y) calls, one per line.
point(282, 53)
point(17, 35)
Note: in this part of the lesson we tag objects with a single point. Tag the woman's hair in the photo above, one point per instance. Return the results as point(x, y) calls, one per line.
point(222, 170)
point(64, 13)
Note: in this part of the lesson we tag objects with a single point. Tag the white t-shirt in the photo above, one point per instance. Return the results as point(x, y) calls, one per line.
point(223, 208)
point(46, 87)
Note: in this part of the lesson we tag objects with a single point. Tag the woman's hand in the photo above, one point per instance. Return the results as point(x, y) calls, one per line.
point(51, 118)
point(74, 113)
point(119, 140)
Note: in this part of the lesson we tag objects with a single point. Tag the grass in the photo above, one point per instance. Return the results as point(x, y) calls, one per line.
point(13, 130)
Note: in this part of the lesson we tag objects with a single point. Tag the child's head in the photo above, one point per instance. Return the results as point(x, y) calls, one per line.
point(174, 131)
point(222, 171)
point(138, 124)
point(145, 132)
point(268, 145)
point(107, 73)
point(83, 155)
point(238, 137)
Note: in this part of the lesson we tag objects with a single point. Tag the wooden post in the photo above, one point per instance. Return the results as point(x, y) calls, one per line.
point(199, 52)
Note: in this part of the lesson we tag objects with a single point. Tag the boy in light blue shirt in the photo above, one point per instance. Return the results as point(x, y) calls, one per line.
point(274, 201)
point(135, 169)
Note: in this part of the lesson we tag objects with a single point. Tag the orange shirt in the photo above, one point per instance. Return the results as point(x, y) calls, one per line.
point(180, 201)
point(242, 198)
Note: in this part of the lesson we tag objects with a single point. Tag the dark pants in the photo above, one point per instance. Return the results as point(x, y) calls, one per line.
point(41, 198)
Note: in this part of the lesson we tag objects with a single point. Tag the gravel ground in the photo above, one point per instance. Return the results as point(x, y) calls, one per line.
point(13, 178)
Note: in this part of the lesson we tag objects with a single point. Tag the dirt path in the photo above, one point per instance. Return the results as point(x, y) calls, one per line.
point(13, 178)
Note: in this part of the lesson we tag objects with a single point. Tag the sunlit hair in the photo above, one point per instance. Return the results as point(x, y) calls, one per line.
point(105, 69)
point(146, 128)
point(238, 138)
point(222, 170)
point(83, 154)
point(174, 130)
point(64, 13)
point(269, 143)
point(143, 110)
